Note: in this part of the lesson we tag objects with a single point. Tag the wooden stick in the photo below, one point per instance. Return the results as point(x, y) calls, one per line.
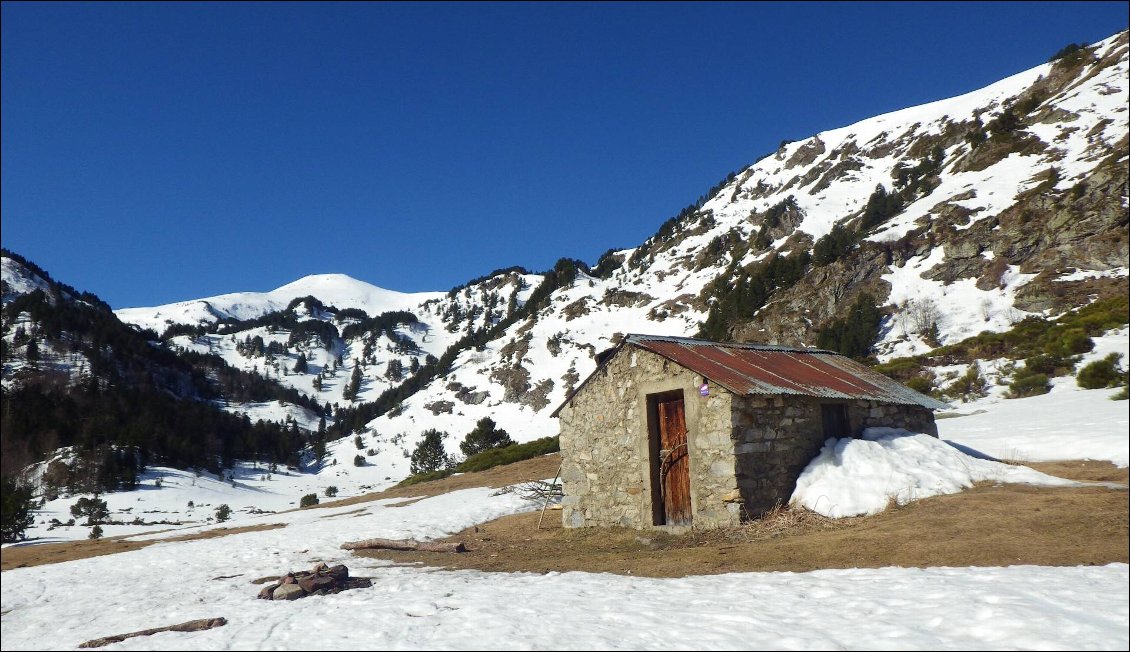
point(190, 626)
point(404, 544)
point(549, 494)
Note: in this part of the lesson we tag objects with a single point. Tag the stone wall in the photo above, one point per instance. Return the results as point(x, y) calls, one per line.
point(869, 414)
point(774, 438)
point(606, 466)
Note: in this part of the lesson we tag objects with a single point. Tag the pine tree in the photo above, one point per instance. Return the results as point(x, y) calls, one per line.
point(94, 509)
point(354, 385)
point(430, 454)
point(302, 364)
point(16, 515)
point(485, 436)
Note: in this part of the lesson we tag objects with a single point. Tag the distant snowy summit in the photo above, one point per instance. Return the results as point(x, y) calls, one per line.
point(338, 290)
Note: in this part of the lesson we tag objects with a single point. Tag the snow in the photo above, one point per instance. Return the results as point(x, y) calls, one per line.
point(60, 605)
point(1068, 423)
point(859, 477)
point(1020, 607)
point(1082, 274)
point(1065, 425)
point(336, 290)
point(19, 279)
point(960, 308)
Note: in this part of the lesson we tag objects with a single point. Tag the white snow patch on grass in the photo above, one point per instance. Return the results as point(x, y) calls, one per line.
point(857, 477)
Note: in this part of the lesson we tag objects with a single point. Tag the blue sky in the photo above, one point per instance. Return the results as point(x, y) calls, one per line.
point(160, 152)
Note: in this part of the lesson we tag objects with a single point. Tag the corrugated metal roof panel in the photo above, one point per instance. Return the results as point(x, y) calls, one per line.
point(747, 369)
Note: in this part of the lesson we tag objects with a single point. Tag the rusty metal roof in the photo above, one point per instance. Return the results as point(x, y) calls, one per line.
point(755, 369)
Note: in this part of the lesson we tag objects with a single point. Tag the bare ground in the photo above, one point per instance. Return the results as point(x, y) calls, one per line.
point(37, 554)
point(989, 525)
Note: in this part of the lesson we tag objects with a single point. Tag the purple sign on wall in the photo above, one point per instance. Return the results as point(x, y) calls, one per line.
point(704, 390)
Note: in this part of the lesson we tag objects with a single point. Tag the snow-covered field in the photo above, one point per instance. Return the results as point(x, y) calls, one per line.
point(1023, 607)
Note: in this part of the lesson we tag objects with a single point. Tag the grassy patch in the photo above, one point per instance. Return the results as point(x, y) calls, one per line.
point(1049, 348)
point(489, 459)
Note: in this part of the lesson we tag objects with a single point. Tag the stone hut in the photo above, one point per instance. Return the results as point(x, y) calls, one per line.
point(672, 431)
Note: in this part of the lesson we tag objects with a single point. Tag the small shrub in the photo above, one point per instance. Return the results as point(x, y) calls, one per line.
point(425, 477)
point(1101, 373)
point(96, 532)
point(359, 443)
point(901, 369)
point(971, 385)
point(223, 513)
point(1121, 395)
point(331, 491)
point(490, 459)
point(510, 454)
point(1049, 365)
point(308, 500)
point(1027, 383)
point(358, 460)
point(1067, 342)
point(920, 384)
point(1071, 52)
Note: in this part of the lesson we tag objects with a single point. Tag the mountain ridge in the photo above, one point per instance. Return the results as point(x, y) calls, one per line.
point(952, 217)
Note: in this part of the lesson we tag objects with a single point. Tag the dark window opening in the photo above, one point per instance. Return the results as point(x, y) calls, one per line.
point(835, 420)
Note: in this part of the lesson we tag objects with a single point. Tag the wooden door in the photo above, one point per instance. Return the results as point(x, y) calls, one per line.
point(674, 462)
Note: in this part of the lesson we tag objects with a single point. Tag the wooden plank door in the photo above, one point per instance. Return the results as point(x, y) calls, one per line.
point(674, 465)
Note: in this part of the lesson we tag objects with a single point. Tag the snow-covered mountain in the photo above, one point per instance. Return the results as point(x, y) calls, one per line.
point(332, 289)
point(1011, 200)
point(953, 217)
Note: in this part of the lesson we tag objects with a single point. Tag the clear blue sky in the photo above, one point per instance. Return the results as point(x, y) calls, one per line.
point(163, 152)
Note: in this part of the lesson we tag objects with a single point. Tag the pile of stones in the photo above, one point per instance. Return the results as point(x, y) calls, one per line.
point(321, 580)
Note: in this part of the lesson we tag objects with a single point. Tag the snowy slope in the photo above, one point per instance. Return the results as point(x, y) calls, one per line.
point(337, 290)
point(58, 606)
point(661, 287)
point(19, 279)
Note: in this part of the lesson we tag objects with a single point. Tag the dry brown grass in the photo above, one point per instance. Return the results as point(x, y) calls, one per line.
point(989, 525)
point(37, 554)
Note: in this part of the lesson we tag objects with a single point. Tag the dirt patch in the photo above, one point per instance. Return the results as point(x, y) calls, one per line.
point(37, 554)
point(989, 525)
